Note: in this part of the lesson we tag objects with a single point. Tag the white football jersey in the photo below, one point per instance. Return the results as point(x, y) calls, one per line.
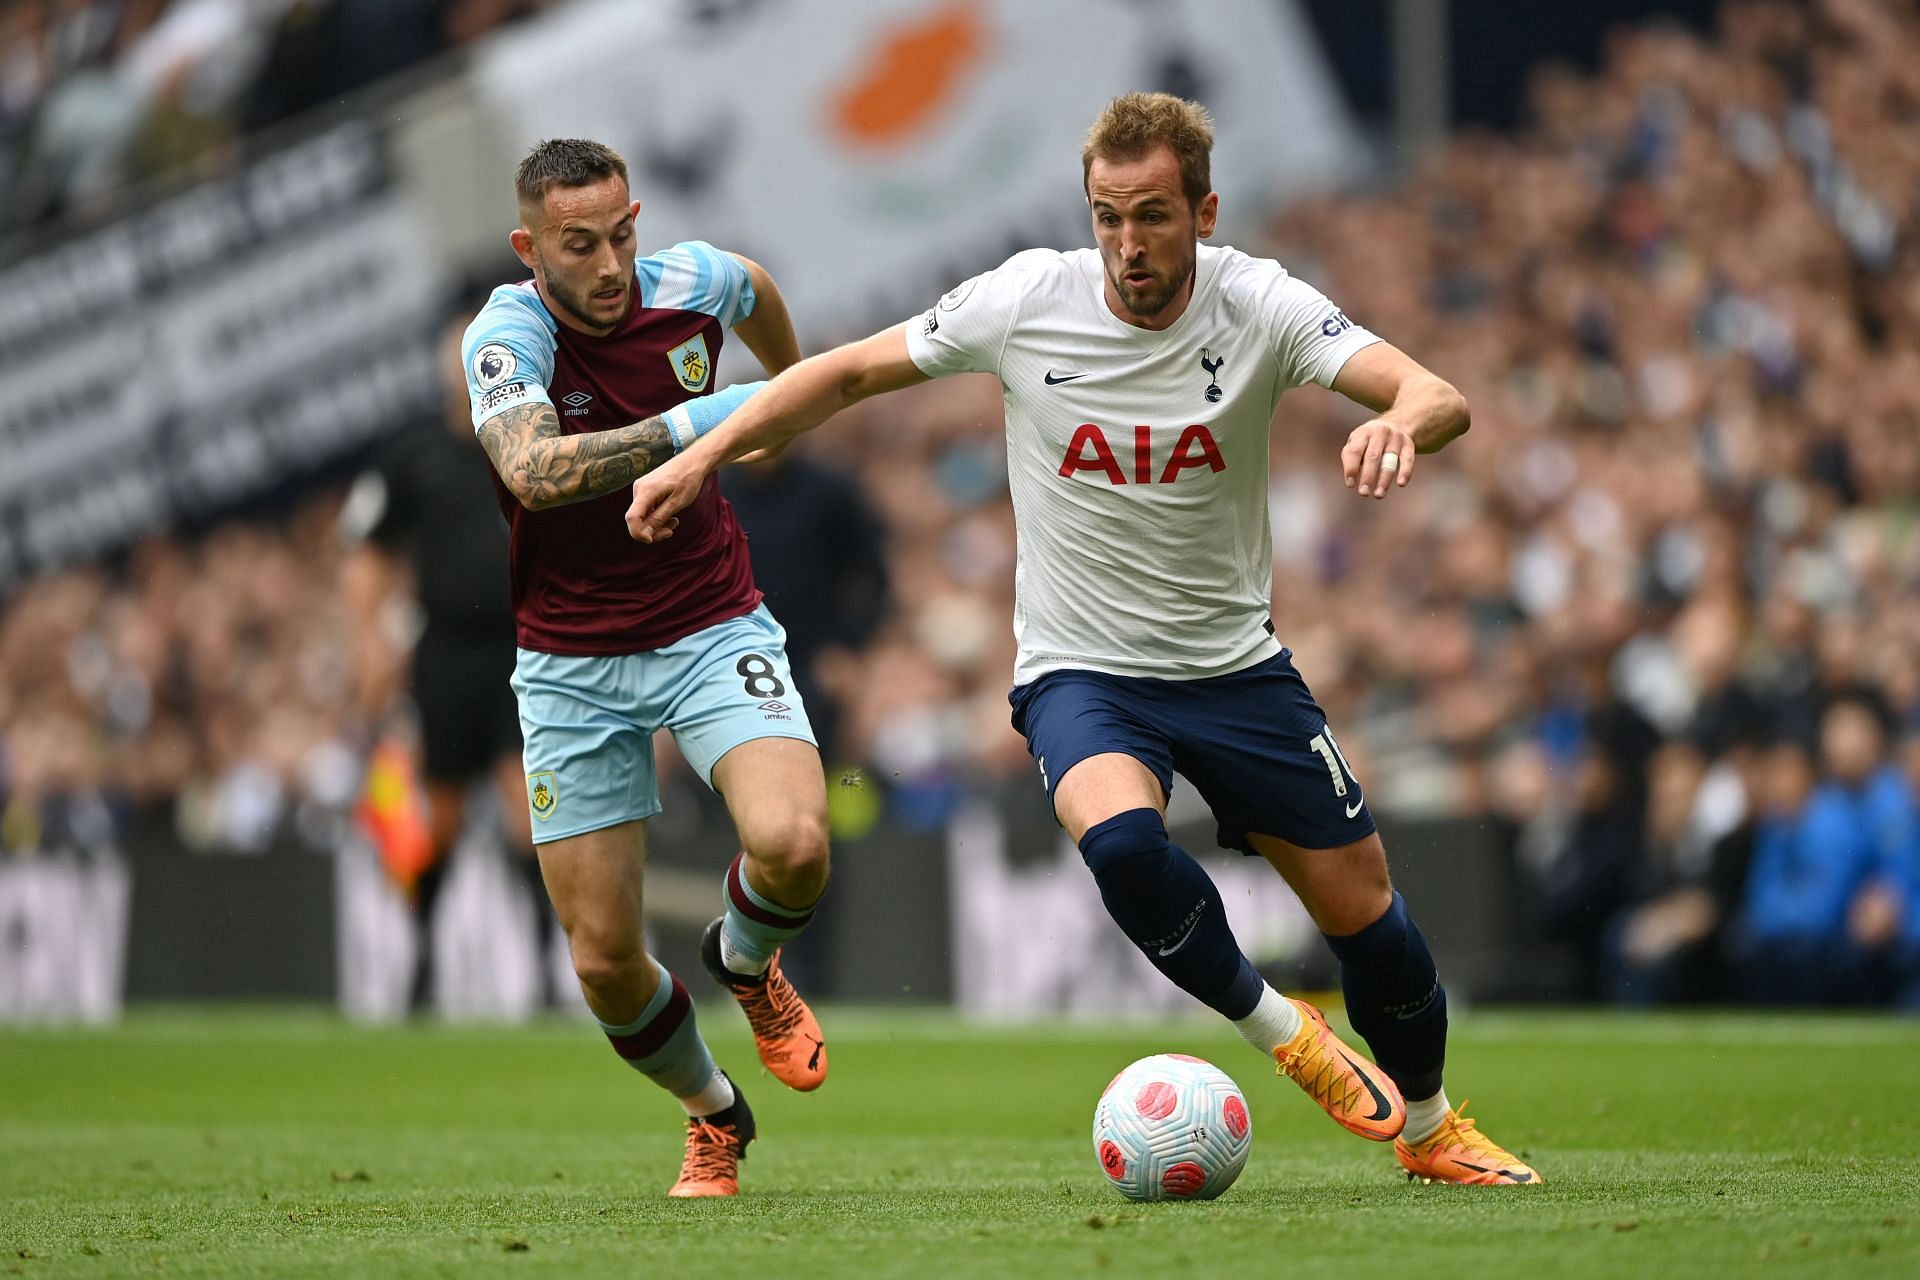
point(1138, 459)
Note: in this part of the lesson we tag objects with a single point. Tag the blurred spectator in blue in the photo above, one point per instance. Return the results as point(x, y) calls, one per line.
point(1906, 944)
point(1817, 848)
point(1885, 917)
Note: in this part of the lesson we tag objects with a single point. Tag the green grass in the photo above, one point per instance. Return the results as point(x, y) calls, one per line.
point(275, 1143)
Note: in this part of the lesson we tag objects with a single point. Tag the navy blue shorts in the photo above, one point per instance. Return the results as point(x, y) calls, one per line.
point(1254, 744)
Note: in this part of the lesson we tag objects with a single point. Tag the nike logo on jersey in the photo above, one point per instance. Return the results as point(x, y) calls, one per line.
point(1068, 377)
point(1354, 808)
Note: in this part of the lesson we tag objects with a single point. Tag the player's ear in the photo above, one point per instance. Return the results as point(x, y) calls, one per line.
point(522, 241)
point(1207, 215)
point(633, 210)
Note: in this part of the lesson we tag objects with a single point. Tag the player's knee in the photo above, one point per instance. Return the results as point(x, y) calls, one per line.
point(1115, 847)
point(1353, 906)
point(1347, 892)
point(608, 960)
point(1131, 860)
point(792, 855)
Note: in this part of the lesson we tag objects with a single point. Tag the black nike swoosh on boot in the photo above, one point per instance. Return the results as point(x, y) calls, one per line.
point(1508, 1174)
point(1383, 1108)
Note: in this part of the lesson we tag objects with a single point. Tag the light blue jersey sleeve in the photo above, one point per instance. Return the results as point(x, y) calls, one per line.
point(695, 276)
point(508, 353)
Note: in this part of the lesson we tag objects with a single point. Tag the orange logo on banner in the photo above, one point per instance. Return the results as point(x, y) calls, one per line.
point(912, 73)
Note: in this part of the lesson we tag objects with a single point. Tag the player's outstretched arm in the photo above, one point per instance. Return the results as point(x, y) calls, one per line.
point(544, 467)
point(795, 402)
point(1419, 413)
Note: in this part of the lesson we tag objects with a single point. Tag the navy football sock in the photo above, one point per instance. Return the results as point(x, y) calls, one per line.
point(1168, 905)
point(1395, 1000)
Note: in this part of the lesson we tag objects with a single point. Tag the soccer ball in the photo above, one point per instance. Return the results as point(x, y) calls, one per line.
point(1172, 1127)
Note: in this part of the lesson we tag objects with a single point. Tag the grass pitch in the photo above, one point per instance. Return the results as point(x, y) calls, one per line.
point(288, 1143)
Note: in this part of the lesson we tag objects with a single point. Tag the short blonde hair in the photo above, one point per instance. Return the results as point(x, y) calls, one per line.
point(1134, 124)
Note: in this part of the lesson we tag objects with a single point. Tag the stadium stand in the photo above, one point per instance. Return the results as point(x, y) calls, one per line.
point(1655, 621)
point(95, 94)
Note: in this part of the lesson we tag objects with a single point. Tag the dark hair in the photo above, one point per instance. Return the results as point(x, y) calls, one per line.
point(564, 162)
point(1133, 124)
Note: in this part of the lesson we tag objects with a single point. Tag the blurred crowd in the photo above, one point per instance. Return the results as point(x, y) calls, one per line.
point(95, 94)
point(1657, 616)
point(1662, 609)
point(207, 687)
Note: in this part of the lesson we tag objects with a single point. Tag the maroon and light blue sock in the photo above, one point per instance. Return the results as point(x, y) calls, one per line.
point(664, 1045)
point(756, 925)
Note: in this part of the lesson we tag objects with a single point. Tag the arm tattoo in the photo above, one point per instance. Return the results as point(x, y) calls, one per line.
point(545, 468)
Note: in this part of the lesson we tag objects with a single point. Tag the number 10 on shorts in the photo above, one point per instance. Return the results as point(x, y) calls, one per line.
point(1337, 767)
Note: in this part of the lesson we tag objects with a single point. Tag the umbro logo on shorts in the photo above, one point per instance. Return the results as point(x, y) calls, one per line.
point(776, 709)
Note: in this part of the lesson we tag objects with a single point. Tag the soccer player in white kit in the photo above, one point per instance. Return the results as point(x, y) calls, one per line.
point(1141, 379)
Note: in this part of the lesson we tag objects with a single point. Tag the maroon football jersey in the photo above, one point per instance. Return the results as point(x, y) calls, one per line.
point(581, 586)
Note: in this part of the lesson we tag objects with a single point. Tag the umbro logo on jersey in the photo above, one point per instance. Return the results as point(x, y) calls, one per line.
point(1065, 377)
point(576, 403)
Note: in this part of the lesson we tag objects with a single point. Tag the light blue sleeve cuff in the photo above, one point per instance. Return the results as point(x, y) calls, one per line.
point(689, 421)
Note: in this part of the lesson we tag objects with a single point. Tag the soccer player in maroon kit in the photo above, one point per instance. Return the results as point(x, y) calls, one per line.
point(583, 379)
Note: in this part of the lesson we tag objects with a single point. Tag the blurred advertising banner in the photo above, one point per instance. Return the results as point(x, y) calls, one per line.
point(206, 348)
point(873, 153)
point(63, 937)
point(1031, 939)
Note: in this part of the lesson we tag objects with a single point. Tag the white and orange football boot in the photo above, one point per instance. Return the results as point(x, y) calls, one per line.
point(1359, 1096)
point(1458, 1152)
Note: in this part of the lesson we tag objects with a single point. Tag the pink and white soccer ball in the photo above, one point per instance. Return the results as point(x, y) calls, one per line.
point(1172, 1127)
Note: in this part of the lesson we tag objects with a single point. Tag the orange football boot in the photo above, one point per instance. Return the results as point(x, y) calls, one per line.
point(1358, 1095)
point(1458, 1152)
point(785, 1032)
point(716, 1145)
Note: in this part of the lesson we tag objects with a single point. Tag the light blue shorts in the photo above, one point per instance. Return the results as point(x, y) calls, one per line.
point(589, 722)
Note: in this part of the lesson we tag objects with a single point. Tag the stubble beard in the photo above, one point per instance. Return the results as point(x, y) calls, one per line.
point(1148, 302)
point(573, 305)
